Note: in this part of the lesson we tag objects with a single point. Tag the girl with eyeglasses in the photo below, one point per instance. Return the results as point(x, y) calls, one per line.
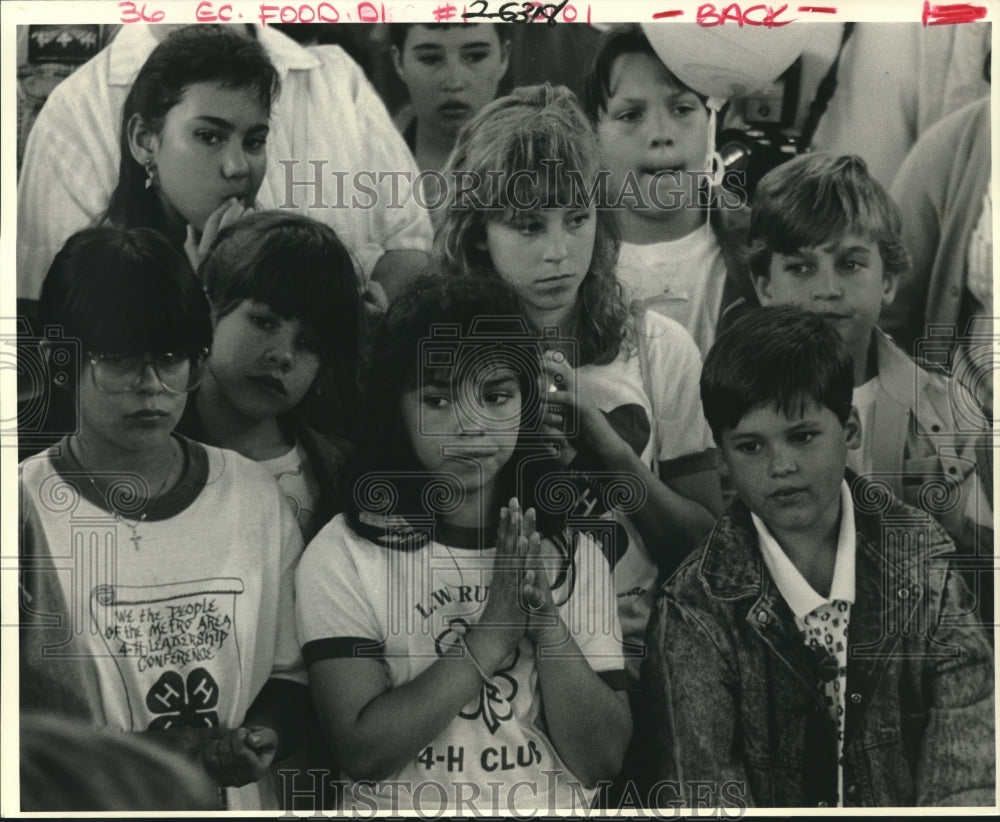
point(175, 557)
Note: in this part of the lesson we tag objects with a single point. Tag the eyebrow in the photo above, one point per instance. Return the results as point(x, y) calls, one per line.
point(220, 122)
point(798, 425)
point(499, 381)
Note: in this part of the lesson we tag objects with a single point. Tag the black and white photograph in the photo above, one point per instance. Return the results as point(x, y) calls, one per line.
point(508, 409)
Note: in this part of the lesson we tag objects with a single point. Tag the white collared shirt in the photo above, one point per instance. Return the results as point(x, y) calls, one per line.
point(811, 609)
point(327, 118)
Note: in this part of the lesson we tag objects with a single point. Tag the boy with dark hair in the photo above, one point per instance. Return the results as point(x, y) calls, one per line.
point(681, 233)
point(826, 236)
point(156, 573)
point(819, 649)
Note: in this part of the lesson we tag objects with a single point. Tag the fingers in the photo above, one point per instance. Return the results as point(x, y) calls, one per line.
point(528, 532)
point(262, 741)
point(534, 598)
point(225, 215)
point(191, 248)
point(241, 756)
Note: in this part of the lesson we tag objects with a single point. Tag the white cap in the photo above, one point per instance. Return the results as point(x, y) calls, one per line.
point(726, 61)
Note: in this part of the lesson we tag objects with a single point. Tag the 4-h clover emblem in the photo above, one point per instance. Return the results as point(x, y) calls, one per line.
point(184, 704)
point(495, 697)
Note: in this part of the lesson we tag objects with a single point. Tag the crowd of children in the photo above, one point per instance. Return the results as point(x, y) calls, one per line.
point(470, 552)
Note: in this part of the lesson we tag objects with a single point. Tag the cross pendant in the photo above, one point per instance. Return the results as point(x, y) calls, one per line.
point(135, 540)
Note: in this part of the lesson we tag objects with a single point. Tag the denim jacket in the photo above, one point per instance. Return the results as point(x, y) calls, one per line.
point(738, 698)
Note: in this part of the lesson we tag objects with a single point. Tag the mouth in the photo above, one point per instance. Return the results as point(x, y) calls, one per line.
point(784, 496)
point(271, 384)
point(556, 280)
point(454, 108)
point(239, 196)
point(663, 171)
point(148, 415)
point(833, 316)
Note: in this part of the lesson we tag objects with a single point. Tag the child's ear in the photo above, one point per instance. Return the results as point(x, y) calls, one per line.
point(504, 57)
point(762, 286)
point(852, 430)
point(890, 282)
point(142, 142)
point(397, 62)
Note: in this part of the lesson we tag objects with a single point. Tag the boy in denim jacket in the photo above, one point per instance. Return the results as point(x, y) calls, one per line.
point(819, 649)
point(826, 237)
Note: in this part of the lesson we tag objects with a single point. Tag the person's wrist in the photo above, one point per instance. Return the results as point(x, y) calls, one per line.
point(552, 630)
point(488, 651)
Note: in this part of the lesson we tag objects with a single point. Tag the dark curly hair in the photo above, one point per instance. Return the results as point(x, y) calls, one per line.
point(387, 493)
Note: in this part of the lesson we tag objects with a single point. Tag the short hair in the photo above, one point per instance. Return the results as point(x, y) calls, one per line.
point(188, 55)
point(541, 131)
point(815, 198)
point(296, 265)
point(300, 268)
point(125, 290)
point(614, 43)
point(399, 31)
point(779, 356)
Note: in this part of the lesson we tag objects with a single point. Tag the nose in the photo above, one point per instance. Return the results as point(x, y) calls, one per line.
point(827, 284)
point(468, 417)
point(454, 76)
point(782, 461)
point(556, 246)
point(660, 127)
point(281, 351)
point(234, 162)
point(149, 381)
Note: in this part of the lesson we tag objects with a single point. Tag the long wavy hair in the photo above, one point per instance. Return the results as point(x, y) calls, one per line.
point(189, 55)
point(516, 151)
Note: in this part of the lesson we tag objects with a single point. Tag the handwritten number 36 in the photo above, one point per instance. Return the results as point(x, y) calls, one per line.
point(131, 13)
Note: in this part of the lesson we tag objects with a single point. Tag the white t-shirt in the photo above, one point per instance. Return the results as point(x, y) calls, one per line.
point(403, 607)
point(185, 625)
point(861, 460)
point(295, 477)
point(683, 440)
point(979, 262)
point(680, 279)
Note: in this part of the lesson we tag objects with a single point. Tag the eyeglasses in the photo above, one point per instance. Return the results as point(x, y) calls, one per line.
point(122, 373)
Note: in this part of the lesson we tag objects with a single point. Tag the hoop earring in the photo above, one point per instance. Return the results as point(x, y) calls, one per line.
point(150, 173)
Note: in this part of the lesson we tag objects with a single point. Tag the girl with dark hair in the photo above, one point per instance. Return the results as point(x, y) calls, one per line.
point(168, 563)
point(193, 135)
point(286, 306)
point(456, 638)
